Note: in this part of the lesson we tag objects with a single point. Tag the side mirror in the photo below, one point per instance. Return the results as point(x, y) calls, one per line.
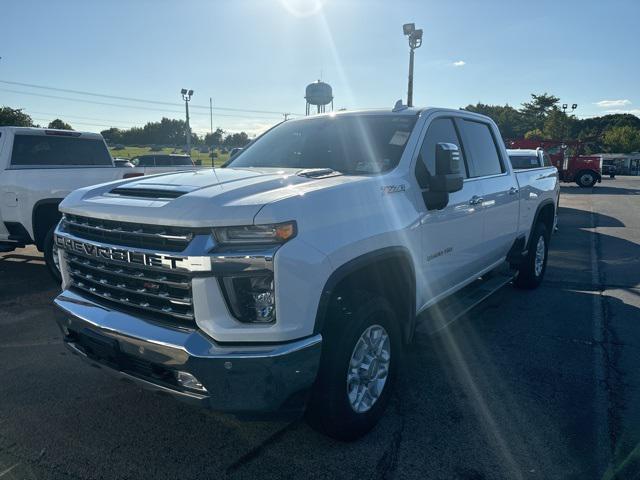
point(447, 179)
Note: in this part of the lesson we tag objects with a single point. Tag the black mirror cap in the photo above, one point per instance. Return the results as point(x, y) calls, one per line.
point(446, 183)
point(447, 159)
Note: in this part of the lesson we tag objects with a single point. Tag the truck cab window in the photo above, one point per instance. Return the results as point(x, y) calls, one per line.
point(479, 140)
point(441, 130)
point(44, 150)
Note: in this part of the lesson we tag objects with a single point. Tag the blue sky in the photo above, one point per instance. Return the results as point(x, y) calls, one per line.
point(260, 54)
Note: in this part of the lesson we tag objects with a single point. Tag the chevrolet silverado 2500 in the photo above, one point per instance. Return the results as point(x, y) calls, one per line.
point(292, 279)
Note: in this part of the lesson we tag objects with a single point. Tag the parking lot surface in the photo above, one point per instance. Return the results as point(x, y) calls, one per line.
point(531, 384)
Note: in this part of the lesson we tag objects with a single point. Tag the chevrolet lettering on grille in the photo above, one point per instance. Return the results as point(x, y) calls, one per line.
point(136, 258)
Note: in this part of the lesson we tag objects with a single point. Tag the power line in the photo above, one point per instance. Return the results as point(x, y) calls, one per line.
point(136, 107)
point(133, 99)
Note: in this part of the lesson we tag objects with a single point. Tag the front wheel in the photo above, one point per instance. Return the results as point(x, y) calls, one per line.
point(51, 255)
point(586, 179)
point(359, 364)
point(531, 271)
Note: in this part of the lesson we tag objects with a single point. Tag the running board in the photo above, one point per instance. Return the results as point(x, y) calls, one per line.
point(439, 316)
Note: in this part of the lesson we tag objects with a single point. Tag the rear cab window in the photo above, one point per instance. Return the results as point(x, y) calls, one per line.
point(59, 151)
point(524, 162)
point(482, 148)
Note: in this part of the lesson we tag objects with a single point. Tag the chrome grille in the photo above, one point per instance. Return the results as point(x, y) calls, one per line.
point(150, 237)
point(137, 287)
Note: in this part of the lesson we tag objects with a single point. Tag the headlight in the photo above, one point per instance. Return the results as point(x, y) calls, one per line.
point(251, 298)
point(255, 234)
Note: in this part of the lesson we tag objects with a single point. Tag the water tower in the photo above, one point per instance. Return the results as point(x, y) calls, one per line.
point(319, 94)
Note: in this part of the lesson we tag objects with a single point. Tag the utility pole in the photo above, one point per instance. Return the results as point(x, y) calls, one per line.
point(186, 96)
point(415, 41)
point(211, 113)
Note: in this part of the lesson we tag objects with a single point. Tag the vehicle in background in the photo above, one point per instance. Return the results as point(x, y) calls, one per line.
point(525, 159)
point(163, 160)
point(294, 278)
point(235, 151)
point(123, 163)
point(610, 169)
point(38, 168)
point(585, 170)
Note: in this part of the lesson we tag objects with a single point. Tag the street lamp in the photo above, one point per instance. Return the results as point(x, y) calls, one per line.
point(415, 40)
point(186, 96)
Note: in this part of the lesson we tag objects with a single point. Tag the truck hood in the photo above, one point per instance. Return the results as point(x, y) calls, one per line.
point(200, 198)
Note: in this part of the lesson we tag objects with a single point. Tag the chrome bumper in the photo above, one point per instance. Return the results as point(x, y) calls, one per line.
point(235, 378)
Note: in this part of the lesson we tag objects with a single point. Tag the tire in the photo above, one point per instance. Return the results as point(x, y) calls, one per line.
point(531, 271)
point(333, 407)
point(50, 252)
point(586, 179)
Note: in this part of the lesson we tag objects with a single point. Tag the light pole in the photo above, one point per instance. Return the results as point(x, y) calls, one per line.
point(415, 40)
point(186, 96)
point(564, 110)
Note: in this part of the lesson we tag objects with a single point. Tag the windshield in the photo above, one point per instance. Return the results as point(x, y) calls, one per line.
point(350, 144)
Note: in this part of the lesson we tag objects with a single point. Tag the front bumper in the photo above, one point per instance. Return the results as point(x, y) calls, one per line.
point(236, 378)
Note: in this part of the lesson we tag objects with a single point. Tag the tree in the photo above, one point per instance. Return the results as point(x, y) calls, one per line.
point(535, 134)
point(556, 125)
point(236, 140)
point(624, 139)
point(215, 138)
point(59, 124)
point(508, 119)
point(14, 117)
point(535, 112)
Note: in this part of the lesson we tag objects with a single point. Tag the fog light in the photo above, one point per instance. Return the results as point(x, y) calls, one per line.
point(251, 298)
point(187, 380)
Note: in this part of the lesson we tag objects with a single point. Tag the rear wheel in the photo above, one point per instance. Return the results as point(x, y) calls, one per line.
point(51, 255)
point(531, 271)
point(586, 179)
point(359, 364)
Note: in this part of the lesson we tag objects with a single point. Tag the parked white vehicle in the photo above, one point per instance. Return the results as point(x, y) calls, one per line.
point(294, 278)
point(38, 168)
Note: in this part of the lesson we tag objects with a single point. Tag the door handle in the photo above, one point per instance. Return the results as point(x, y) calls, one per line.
point(476, 200)
point(513, 191)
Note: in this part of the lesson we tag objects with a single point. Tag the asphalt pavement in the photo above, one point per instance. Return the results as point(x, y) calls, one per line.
point(537, 384)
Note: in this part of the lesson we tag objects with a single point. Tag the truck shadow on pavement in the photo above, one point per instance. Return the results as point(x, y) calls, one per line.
point(508, 391)
point(599, 189)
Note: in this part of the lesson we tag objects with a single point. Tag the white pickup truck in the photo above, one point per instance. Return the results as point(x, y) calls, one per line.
point(292, 279)
point(38, 168)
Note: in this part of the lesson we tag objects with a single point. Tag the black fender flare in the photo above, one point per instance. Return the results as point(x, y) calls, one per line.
point(358, 263)
point(542, 205)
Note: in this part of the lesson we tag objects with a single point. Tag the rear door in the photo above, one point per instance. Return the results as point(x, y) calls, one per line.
point(498, 187)
point(451, 237)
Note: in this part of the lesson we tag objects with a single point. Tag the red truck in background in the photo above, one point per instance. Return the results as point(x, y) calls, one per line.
point(585, 170)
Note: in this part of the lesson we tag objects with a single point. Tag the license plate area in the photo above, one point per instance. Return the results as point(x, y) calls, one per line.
point(98, 346)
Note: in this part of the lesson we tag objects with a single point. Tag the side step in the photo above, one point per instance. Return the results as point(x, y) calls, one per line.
point(439, 316)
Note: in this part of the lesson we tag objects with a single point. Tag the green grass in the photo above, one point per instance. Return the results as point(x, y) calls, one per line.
point(130, 152)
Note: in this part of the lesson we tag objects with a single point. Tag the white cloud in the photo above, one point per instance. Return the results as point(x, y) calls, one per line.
point(613, 103)
point(459, 63)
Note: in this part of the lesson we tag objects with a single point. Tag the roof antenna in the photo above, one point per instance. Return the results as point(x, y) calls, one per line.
point(399, 106)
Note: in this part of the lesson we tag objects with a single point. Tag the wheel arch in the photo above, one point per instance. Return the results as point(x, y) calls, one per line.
point(45, 214)
point(546, 213)
point(389, 271)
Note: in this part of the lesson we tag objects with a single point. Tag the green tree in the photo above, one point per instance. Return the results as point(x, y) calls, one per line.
point(535, 112)
point(508, 119)
point(624, 139)
point(14, 117)
point(214, 138)
point(59, 124)
point(535, 134)
point(556, 125)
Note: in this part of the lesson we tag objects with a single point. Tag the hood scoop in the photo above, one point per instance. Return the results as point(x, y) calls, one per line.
point(318, 173)
point(154, 191)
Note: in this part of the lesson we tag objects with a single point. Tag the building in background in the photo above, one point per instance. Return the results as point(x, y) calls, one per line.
point(625, 163)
